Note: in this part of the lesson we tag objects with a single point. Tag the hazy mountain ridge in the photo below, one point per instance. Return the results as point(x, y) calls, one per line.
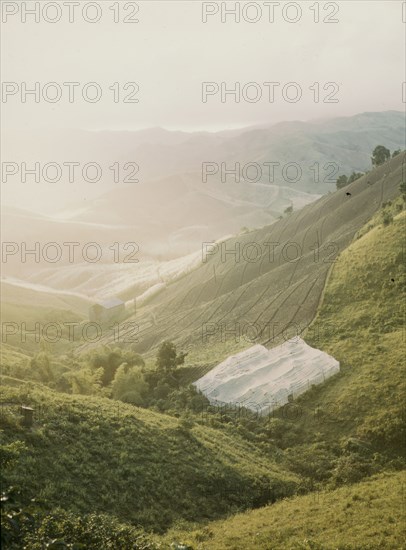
point(284, 142)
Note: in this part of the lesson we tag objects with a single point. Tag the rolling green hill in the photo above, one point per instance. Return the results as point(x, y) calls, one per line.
point(263, 294)
point(342, 441)
point(28, 313)
point(364, 516)
point(143, 467)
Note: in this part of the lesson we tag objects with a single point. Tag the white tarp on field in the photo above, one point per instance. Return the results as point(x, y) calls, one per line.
point(262, 379)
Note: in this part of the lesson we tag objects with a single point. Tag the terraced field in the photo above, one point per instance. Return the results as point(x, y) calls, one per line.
point(274, 289)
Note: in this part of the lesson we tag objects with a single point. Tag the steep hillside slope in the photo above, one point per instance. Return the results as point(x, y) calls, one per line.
point(142, 467)
point(154, 470)
point(362, 323)
point(273, 288)
point(30, 313)
point(364, 516)
point(343, 431)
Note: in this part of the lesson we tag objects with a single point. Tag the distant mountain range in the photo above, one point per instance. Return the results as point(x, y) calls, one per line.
point(173, 208)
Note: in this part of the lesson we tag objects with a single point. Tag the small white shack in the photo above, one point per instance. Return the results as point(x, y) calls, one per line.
point(262, 380)
point(107, 310)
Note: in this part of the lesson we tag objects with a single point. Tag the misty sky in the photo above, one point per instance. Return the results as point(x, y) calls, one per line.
point(170, 52)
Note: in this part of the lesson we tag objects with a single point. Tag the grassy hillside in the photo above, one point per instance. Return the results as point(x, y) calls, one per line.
point(364, 516)
point(262, 294)
point(342, 441)
point(339, 433)
point(362, 324)
point(26, 312)
point(352, 425)
point(87, 454)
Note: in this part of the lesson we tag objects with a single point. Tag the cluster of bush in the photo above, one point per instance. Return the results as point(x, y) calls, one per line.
point(119, 374)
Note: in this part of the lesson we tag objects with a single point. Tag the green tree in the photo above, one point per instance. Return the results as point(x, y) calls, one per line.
point(167, 359)
point(387, 217)
point(133, 359)
point(288, 210)
point(402, 188)
point(396, 153)
point(129, 385)
point(342, 181)
point(41, 366)
point(354, 176)
point(380, 155)
point(109, 360)
point(86, 381)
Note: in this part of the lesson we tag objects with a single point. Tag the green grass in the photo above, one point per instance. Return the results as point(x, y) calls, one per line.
point(361, 323)
point(28, 316)
point(154, 471)
point(92, 454)
point(349, 427)
point(364, 516)
point(12, 356)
